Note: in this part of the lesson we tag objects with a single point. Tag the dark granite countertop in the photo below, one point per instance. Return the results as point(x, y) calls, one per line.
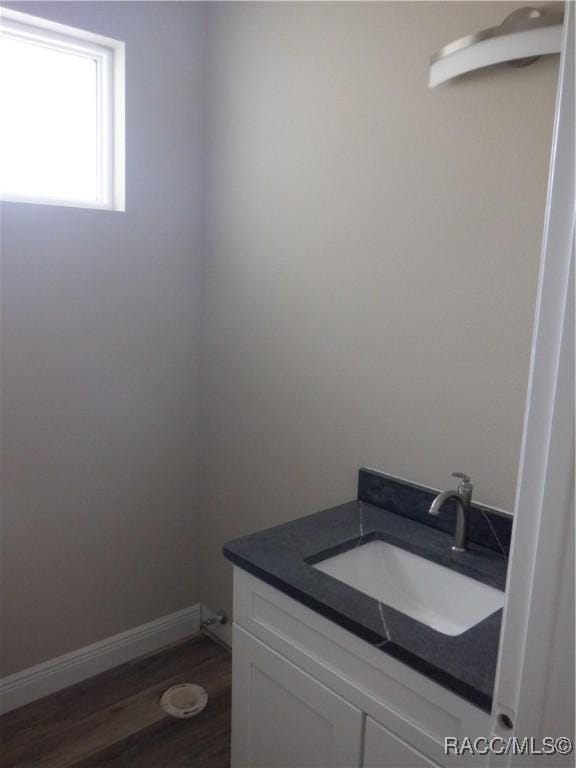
point(283, 557)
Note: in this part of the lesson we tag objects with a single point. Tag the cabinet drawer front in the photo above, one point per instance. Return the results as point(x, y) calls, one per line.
point(382, 749)
point(284, 718)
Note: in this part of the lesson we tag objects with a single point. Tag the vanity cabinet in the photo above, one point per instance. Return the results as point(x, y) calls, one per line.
point(383, 748)
point(284, 718)
point(308, 694)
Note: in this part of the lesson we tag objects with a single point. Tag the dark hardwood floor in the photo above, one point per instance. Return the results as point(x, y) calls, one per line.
point(115, 719)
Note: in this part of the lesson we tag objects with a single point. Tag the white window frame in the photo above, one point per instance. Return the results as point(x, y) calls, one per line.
point(109, 55)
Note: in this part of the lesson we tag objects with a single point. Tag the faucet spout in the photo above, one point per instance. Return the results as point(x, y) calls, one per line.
point(440, 500)
point(463, 498)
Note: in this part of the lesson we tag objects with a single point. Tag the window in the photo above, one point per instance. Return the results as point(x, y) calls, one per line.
point(62, 124)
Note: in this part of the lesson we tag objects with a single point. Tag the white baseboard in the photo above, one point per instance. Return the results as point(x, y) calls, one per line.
point(53, 675)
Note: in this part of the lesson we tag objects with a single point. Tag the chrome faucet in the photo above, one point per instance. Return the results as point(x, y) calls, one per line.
point(464, 498)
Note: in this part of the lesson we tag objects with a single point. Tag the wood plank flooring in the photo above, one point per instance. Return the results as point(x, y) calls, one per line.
point(115, 719)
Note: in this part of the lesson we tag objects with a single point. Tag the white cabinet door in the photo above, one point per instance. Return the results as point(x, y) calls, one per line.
point(284, 718)
point(384, 750)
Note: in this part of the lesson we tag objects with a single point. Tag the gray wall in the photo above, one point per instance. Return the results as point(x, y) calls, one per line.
point(100, 365)
point(367, 267)
point(372, 259)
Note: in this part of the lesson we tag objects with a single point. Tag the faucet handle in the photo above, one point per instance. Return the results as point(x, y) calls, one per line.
point(465, 487)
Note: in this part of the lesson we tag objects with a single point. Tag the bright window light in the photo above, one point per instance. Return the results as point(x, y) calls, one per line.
point(62, 123)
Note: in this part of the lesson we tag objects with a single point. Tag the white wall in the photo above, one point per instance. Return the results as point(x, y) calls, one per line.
point(558, 716)
point(373, 250)
point(100, 365)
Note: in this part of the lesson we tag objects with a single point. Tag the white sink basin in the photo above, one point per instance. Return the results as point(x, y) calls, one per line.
point(443, 599)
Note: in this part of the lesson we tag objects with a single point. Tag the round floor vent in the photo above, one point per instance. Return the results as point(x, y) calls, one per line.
point(184, 700)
